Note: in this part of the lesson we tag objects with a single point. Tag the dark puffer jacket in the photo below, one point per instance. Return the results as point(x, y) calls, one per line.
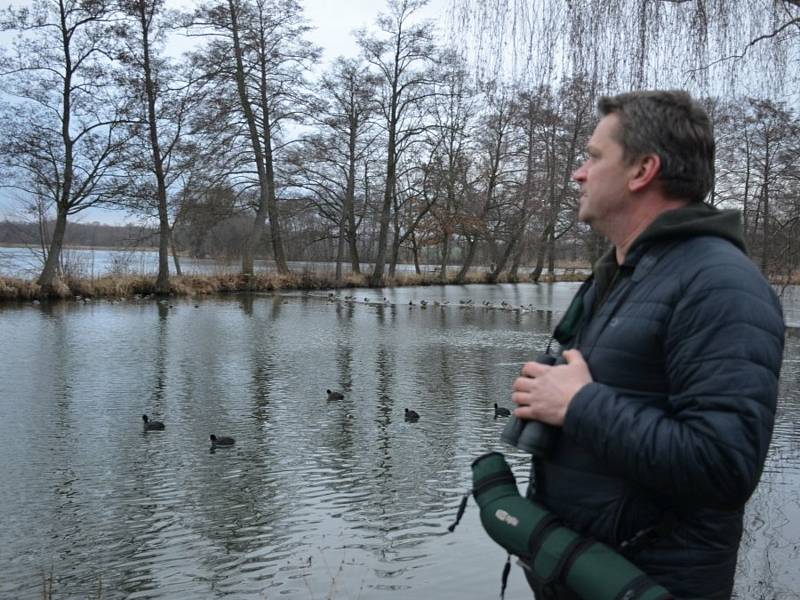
point(684, 342)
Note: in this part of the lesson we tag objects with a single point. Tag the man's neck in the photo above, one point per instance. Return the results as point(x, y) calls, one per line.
point(640, 218)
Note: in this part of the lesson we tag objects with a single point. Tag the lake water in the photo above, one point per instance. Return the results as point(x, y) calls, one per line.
point(317, 499)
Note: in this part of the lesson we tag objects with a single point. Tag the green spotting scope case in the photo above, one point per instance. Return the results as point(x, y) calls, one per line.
point(554, 553)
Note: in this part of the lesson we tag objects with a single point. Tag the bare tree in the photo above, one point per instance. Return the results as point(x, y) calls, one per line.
point(63, 125)
point(328, 162)
point(496, 145)
point(160, 110)
point(774, 138)
point(410, 206)
point(447, 173)
point(567, 131)
point(401, 52)
point(258, 47)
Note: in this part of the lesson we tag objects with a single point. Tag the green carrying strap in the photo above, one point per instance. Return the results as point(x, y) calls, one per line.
point(571, 322)
point(555, 553)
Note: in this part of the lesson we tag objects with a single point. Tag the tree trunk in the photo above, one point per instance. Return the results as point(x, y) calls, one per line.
point(44, 234)
point(275, 230)
point(395, 255)
point(340, 248)
point(765, 229)
point(746, 191)
point(472, 246)
point(266, 203)
point(415, 251)
point(388, 195)
point(513, 241)
point(164, 231)
point(541, 251)
point(175, 259)
point(348, 207)
point(48, 280)
point(513, 272)
point(551, 252)
point(445, 257)
point(162, 281)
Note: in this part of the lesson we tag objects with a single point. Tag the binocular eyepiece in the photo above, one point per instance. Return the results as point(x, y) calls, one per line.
point(534, 437)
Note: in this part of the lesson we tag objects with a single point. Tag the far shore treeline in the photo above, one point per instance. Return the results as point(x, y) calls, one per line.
point(85, 235)
point(249, 146)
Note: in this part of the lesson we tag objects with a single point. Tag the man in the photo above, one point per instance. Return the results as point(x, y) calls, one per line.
point(665, 396)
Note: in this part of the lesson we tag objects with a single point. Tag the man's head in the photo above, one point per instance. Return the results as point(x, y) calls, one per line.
point(650, 152)
point(672, 126)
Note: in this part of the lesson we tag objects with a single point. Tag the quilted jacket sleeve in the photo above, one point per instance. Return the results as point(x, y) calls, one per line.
point(723, 346)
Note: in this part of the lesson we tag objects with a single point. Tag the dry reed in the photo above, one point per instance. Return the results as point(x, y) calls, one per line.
point(125, 286)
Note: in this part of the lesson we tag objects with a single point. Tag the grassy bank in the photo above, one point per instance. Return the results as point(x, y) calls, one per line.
point(195, 285)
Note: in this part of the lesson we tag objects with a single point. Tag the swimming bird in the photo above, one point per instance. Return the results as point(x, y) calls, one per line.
point(152, 425)
point(500, 411)
point(335, 395)
point(412, 415)
point(222, 440)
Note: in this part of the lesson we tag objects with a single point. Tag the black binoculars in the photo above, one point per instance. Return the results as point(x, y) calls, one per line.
point(534, 437)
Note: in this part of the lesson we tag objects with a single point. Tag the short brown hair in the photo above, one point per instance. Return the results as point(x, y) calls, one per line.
point(670, 124)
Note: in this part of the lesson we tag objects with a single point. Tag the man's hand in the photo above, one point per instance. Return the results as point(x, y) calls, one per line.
point(544, 392)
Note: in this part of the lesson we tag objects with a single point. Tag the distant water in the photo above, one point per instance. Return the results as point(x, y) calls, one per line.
point(27, 263)
point(317, 499)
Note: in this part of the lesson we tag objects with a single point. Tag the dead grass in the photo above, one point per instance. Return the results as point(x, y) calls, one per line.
point(18, 289)
point(124, 286)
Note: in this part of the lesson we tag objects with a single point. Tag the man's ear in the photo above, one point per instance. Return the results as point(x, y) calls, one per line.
point(647, 169)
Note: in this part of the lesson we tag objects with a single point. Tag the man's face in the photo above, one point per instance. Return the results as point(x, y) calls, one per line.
point(603, 177)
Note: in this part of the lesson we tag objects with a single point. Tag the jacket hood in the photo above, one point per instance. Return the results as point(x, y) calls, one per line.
point(694, 220)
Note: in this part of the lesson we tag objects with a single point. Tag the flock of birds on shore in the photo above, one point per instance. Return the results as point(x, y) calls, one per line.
point(410, 415)
point(463, 303)
point(348, 299)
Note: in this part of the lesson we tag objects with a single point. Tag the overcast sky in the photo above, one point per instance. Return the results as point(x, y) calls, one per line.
point(334, 22)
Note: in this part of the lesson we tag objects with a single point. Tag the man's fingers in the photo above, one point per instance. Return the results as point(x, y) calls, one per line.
point(534, 369)
point(518, 398)
point(522, 384)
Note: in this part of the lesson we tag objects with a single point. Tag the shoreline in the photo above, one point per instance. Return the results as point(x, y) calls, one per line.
point(118, 287)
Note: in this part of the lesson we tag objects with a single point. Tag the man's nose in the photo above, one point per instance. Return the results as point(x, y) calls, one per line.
point(579, 174)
